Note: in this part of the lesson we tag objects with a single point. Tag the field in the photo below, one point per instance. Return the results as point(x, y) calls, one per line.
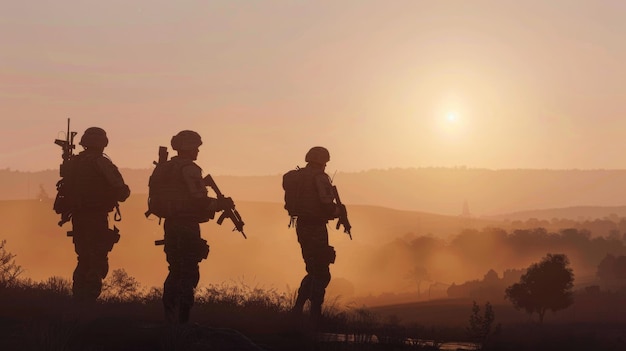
point(44, 317)
point(247, 288)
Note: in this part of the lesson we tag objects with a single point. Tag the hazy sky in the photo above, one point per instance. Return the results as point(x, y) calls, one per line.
point(494, 84)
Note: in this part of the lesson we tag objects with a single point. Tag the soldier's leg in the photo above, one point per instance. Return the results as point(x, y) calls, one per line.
point(83, 251)
point(179, 287)
point(87, 284)
point(87, 277)
point(171, 286)
point(188, 283)
point(99, 261)
point(320, 280)
point(313, 240)
point(100, 270)
point(92, 264)
point(80, 278)
point(193, 247)
point(304, 293)
point(171, 291)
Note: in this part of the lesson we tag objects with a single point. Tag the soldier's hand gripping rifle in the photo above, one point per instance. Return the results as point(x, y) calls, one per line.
point(343, 214)
point(228, 213)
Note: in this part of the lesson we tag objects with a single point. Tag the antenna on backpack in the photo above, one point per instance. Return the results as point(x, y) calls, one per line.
point(333, 177)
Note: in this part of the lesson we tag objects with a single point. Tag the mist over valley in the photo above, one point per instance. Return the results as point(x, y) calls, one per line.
point(405, 221)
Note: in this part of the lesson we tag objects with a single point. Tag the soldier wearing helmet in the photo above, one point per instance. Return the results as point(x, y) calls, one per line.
point(184, 246)
point(317, 155)
point(95, 188)
point(316, 206)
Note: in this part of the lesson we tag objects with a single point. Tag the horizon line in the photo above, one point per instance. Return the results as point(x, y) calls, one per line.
point(394, 168)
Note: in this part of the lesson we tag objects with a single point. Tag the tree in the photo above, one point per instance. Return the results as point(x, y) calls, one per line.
point(481, 326)
point(418, 274)
point(546, 285)
point(9, 270)
point(612, 268)
point(120, 286)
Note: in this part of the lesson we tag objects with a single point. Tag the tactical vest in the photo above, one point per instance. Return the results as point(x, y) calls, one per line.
point(88, 188)
point(168, 193)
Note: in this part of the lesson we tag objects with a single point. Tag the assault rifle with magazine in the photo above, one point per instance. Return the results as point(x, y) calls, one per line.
point(228, 213)
point(343, 214)
point(62, 202)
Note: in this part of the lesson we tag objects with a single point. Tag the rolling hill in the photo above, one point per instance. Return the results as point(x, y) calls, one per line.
point(269, 257)
point(449, 191)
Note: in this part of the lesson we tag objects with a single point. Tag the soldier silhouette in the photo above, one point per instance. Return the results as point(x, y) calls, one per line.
point(93, 186)
point(184, 205)
point(309, 199)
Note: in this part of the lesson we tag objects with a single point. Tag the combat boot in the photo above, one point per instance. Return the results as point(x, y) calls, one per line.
point(316, 315)
point(298, 306)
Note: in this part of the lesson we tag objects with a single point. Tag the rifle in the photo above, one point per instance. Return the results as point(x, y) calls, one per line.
point(163, 155)
point(63, 202)
point(68, 148)
point(229, 213)
point(343, 214)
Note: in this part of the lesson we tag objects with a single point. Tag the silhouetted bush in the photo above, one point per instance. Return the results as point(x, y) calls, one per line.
point(9, 270)
point(242, 296)
point(481, 326)
point(56, 285)
point(119, 286)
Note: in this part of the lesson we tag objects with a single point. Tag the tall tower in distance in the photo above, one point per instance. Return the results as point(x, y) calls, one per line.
point(465, 212)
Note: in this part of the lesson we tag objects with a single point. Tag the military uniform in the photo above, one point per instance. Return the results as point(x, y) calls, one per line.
point(95, 186)
point(184, 246)
point(317, 207)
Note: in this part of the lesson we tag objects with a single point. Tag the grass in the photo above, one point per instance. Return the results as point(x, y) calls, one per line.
point(43, 316)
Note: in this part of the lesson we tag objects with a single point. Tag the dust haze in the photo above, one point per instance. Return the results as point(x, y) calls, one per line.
point(395, 255)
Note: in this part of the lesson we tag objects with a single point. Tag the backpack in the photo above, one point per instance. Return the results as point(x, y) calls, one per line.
point(82, 187)
point(297, 184)
point(166, 194)
point(293, 184)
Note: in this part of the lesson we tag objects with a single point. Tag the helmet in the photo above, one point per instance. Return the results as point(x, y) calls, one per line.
point(94, 137)
point(186, 140)
point(317, 154)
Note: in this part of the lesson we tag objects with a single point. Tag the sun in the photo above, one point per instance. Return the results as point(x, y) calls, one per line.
point(452, 117)
point(451, 125)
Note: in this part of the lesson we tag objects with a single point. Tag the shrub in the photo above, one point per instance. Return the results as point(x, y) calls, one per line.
point(9, 270)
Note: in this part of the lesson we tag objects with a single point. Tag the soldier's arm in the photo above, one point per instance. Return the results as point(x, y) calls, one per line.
point(114, 178)
point(192, 174)
point(326, 196)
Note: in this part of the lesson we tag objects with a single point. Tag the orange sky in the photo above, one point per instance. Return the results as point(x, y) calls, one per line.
point(494, 84)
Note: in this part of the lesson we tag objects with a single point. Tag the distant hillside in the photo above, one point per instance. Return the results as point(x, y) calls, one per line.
point(577, 213)
point(449, 191)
